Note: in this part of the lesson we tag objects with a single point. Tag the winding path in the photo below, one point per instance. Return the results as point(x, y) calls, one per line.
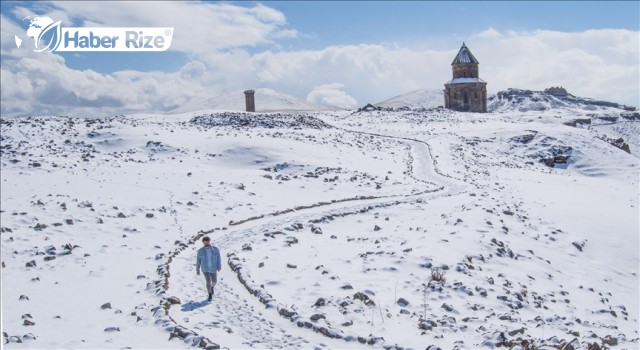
point(235, 310)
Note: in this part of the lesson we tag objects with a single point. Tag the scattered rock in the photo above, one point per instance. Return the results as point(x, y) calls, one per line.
point(31, 263)
point(317, 317)
point(106, 306)
point(579, 245)
point(320, 302)
point(112, 329)
point(291, 266)
point(377, 228)
point(28, 322)
point(23, 297)
point(40, 227)
point(447, 307)
point(174, 301)
point(403, 302)
point(149, 215)
point(121, 215)
point(609, 340)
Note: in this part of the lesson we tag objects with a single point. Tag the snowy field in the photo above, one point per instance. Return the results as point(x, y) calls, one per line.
point(394, 228)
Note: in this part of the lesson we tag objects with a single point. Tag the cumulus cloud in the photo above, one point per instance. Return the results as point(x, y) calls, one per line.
point(331, 95)
point(199, 26)
point(217, 37)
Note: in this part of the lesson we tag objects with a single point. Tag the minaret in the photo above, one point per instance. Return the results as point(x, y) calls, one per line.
point(249, 100)
point(466, 91)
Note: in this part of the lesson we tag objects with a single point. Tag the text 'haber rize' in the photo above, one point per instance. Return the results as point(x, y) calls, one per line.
point(133, 39)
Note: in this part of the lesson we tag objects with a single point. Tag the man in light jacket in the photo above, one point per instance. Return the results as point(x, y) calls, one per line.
point(209, 261)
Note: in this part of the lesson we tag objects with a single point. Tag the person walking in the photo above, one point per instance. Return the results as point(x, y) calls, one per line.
point(209, 261)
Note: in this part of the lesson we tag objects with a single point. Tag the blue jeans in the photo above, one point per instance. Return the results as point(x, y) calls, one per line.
point(212, 279)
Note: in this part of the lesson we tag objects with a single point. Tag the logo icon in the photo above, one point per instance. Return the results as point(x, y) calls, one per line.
point(49, 35)
point(40, 26)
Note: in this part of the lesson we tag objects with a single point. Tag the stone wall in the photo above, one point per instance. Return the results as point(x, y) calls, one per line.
point(467, 97)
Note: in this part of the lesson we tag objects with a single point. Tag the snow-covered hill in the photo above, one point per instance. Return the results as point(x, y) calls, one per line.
point(410, 228)
point(267, 100)
point(424, 98)
point(552, 98)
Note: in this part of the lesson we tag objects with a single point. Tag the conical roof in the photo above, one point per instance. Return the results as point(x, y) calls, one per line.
point(464, 56)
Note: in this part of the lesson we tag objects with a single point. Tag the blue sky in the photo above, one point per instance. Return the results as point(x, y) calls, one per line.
point(414, 21)
point(364, 50)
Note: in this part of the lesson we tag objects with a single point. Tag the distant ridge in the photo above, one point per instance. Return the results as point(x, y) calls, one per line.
point(555, 97)
point(267, 100)
point(424, 98)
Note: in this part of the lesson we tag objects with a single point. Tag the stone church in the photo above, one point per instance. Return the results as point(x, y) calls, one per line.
point(466, 91)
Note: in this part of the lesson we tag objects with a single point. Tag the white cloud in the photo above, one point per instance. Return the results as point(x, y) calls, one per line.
point(200, 27)
point(331, 95)
point(488, 34)
point(602, 64)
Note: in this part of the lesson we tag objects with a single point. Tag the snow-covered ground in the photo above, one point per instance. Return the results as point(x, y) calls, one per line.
point(332, 224)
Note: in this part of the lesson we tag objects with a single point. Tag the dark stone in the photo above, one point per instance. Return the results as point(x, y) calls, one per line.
point(28, 322)
point(609, 340)
point(174, 300)
point(447, 307)
point(149, 215)
point(317, 317)
point(31, 263)
point(320, 302)
point(516, 331)
point(578, 245)
point(286, 313)
point(106, 306)
point(361, 296)
point(377, 228)
point(402, 302)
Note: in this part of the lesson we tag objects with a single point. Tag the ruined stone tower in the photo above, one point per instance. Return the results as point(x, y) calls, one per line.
point(249, 100)
point(466, 91)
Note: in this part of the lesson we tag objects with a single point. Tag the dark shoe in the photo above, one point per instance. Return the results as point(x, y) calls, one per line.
point(210, 296)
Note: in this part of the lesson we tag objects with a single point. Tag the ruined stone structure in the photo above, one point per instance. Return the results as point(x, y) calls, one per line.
point(466, 91)
point(249, 100)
